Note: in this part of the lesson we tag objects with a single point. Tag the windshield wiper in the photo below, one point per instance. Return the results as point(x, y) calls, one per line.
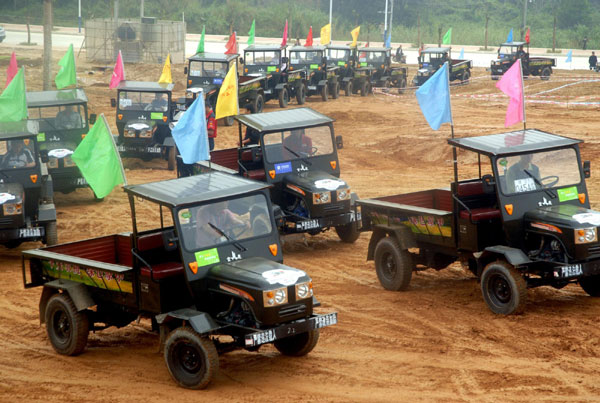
point(548, 191)
point(230, 239)
point(307, 162)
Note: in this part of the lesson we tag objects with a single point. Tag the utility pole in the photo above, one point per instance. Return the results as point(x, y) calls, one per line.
point(141, 8)
point(554, 35)
point(385, 18)
point(330, 10)
point(47, 45)
point(439, 37)
point(418, 31)
point(79, 17)
point(487, 19)
point(116, 22)
point(391, 19)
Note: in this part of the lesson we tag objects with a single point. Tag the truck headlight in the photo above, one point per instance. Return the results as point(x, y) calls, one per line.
point(129, 133)
point(321, 198)
point(146, 133)
point(12, 208)
point(343, 194)
point(586, 235)
point(275, 297)
point(52, 162)
point(304, 290)
point(68, 162)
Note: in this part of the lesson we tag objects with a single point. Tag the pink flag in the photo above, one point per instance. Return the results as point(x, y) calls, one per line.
point(12, 69)
point(511, 84)
point(285, 34)
point(118, 74)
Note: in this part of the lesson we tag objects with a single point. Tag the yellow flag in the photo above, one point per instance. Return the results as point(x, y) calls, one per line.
point(165, 77)
point(227, 102)
point(326, 34)
point(354, 34)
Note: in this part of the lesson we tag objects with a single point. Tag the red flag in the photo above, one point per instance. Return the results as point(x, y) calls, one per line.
point(309, 39)
point(527, 36)
point(231, 46)
point(12, 69)
point(118, 74)
point(511, 84)
point(285, 34)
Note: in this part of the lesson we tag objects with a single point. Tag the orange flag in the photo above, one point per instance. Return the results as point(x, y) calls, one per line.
point(231, 46)
point(309, 38)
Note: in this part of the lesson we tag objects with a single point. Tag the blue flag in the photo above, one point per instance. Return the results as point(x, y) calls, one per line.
point(388, 41)
point(190, 133)
point(569, 57)
point(462, 54)
point(509, 38)
point(434, 99)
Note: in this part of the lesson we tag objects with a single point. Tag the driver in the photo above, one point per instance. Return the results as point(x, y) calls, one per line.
point(159, 103)
point(220, 217)
point(298, 142)
point(68, 118)
point(517, 172)
point(18, 156)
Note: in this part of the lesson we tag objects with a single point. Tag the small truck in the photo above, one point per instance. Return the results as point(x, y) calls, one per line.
point(316, 78)
point(509, 52)
point(351, 78)
point(26, 195)
point(432, 59)
point(202, 273)
point(270, 62)
point(144, 111)
point(62, 118)
point(525, 221)
point(377, 62)
point(295, 151)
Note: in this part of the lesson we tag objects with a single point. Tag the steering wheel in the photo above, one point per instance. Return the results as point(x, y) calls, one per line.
point(553, 181)
point(313, 150)
point(148, 107)
point(242, 227)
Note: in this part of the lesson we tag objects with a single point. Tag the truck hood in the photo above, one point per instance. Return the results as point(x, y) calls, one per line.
point(315, 181)
point(11, 193)
point(564, 216)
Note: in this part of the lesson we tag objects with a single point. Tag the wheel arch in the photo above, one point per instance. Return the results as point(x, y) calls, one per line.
point(515, 257)
point(403, 235)
point(78, 292)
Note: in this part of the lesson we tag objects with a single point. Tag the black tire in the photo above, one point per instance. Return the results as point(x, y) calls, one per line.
point(364, 89)
point(591, 285)
point(258, 103)
point(171, 158)
point(301, 94)
point(299, 345)
point(191, 359)
point(348, 233)
point(228, 121)
point(325, 92)
point(284, 98)
point(335, 92)
point(14, 243)
point(387, 83)
point(465, 77)
point(348, 89)
point(67, 329)
point(393, 265)
point(545, 74)
point(51, 233)
point(402, 85)
point(504, 289)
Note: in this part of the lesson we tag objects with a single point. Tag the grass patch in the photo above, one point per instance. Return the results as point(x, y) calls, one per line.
point(28, 44)
point(557, 51)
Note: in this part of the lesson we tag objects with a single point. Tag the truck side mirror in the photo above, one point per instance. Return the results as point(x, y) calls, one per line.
point(488, 184)
point(587, 170)
point(284, 60)
point(113, 103)
point(92, 119)
point(241, 60)
point(185, 70)
point(339, 142)
point(44, 156)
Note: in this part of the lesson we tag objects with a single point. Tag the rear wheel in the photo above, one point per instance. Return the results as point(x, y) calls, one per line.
point(301, 94)
point(591, 285)
point(504, 289)
point(13, 244)
point(335, 92)
point(171, 158)
point(545, 74)
point(348, 89)
point(258, 103)
point(325, 93)
point(191, 359)
point(364, 89)
point(67, 329)
point(284, 98)
point(401, 85)
point(228, 121)
point(393, 265)
point(51, 233)
point(348, 232)
point(299, 345)
point(465, 77)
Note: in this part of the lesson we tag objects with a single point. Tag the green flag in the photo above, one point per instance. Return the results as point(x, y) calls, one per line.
point(98, 159)
point(13, 103)
point(200, 48)
point(66, 75)
point(447, 40)
point(251, 34)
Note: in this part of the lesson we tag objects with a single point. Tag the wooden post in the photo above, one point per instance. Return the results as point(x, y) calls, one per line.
point(439, 37)
point(554, 35)
point(418, 31)
point(47, 83)
point(487, 19)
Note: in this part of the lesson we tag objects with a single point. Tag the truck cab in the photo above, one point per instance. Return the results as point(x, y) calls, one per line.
point(207, 71)
point(377, 62)
point(270, 62)
point(62, 118)
point(344, 59)
point(509, 52)
point(144, 111)
point(319, 79)
point(26, 193)
point(432, 59)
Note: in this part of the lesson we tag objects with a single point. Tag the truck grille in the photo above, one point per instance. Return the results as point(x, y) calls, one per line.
point(333, 208)
point(292, 310)
point(594, 250)
point(6, 220)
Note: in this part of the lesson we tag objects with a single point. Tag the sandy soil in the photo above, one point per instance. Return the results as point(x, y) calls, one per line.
point(435, 342)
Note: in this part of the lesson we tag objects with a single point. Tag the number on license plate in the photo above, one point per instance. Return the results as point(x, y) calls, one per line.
point(29, 232)
point(310, 224)
point(81, 181)
point(153, 149)
point(325, 320)
point(571, 271)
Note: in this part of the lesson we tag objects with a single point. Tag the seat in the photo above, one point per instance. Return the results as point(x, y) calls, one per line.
point(256, 174)
point(481, 214)
point(163, 270)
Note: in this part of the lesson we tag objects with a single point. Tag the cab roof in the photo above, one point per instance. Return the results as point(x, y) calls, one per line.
point(297, 48)
point(22, 128)
point(194, 189)
point(373, 49)
point(281, 120)
point(213, 57)
point(149, 86)
point(342, 47)
point(436, 50)
point(521, 141)
point(54, 98)
point(263, 48)
point(514, 44)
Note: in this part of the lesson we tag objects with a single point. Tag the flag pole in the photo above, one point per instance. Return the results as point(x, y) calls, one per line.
point(523, 98)
point(454, 155)
point(112, 139)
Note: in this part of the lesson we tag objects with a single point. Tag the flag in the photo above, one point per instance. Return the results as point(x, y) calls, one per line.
point(509, 38)
point(511, 84)
point(251, 34)
point(388, 41)
point(231, 45)
point(165, 77)
point(98, 160)
point(12, 69)
point(434, 98)
point(285, 34)
point(118, 74)
point(447, 39)
point(527, 36)
point(67, 74)
point(569, 58)
point(200, 48)
point(326, 34)
point(13, 103)
point(462, 54)
point(190, 133)
point(227, 101)
point(309, 38)
point(355, 32)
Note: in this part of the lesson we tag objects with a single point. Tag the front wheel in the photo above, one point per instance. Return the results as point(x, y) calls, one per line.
point(465, 77)
point(325, 93)
point(191, 359)
point(258, 103)
point(284, 98)
point(51, 233)
point(364, 89)
point(347, 232)
point(545, 74)
point(348, 89)
point(335, 92)
point(591, 285)
point(301, 94)
point(171, 158)
point(67, 329)
point(299, 345)
point(393, 265)
point(504, 289)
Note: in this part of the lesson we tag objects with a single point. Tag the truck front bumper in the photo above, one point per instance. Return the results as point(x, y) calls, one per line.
point(323, 222)
point(290, 329)
point(24, 234)
point(127, 150)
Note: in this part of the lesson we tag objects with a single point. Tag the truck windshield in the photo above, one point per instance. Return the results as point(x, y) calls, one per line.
point(506, 51)
point(337, 55)
point(298, 144)
point(208, 69)
point(312, 57)
point(536, 171)
point(222, 222)
point(51, 118)
point(432, 57)
point(267, 58)
point(18, 153)
point(143, 101)
point(371, 57)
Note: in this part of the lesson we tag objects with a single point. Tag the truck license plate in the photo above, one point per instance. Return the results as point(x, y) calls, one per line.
point(325, 320)
point(30, 232)
point(80, 181)
point(153, 149)
point(571, 271)
point(306, 225)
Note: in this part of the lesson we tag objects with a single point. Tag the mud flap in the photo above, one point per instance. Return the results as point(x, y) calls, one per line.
point(404, 236)
point(77, 292)
point(516, 257)
point(201, 322)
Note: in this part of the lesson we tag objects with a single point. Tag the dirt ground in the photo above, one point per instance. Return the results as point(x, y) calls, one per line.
point(437, 341)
